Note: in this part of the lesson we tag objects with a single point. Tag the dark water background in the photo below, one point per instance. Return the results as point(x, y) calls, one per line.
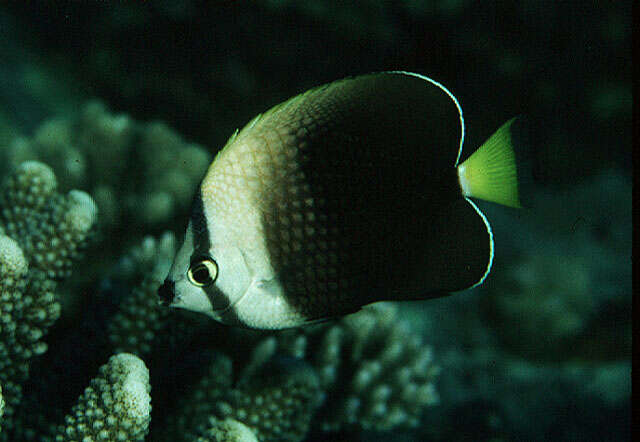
point(512, 369)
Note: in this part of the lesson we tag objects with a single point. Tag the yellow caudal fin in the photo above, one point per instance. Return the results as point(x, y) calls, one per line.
point(495, 172)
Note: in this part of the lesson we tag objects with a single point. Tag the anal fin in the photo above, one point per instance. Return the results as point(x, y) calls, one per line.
point(460, 250)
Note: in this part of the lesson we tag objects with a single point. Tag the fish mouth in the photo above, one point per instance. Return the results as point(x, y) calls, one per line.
point(167, 292)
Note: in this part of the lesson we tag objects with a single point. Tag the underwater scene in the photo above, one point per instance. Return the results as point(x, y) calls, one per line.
point(111, 114)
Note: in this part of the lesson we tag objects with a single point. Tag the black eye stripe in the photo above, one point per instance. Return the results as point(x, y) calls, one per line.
point(201, 247)
point(199, 228)
point(218, 299)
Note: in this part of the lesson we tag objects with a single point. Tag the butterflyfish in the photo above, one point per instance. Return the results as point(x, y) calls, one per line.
point(345, 195)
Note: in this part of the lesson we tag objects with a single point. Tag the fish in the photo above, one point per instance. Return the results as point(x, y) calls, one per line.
point(347, 194)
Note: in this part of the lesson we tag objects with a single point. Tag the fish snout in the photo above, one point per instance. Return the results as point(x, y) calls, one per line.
point(167, 292)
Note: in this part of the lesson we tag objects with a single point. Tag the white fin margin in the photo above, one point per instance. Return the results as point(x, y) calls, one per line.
point(455, 101)
point(486, 223)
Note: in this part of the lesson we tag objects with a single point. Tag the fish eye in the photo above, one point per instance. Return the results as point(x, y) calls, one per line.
point(203, 272)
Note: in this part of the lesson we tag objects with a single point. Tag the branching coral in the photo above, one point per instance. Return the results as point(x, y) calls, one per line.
point(273, 401)
point(51, 228)
point(276, 401)
point(365, 371)
point(378, 375)
point(41, 234)
point(134, 327)
point(137, 173)
point(115, 407)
